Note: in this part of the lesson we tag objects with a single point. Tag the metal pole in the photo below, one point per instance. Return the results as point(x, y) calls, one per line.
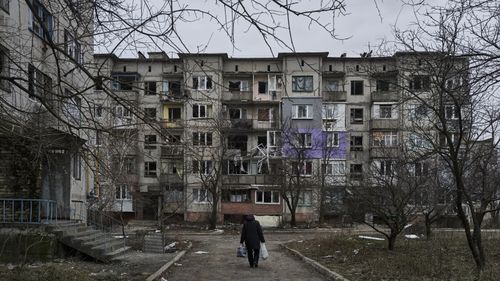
point(22, 210)
point(39, 211)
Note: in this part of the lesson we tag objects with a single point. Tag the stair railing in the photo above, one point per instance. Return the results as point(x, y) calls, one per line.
point(27, 211)
point(107, 224)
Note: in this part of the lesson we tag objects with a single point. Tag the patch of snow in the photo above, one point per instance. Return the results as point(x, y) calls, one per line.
point(200, 252)
point(177, 264)
point(408, 225)
point(371, 238)
point(412, 236)
point(300, 241)
point(120, 236)
point(356, 251)
point(163, 279)
point(157, 231)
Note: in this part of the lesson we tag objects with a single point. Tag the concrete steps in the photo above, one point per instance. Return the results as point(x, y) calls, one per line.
point(92, 242)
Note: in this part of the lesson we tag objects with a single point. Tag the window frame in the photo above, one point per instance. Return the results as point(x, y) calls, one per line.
point(308, 111)
point(148, 172)
point(202, 82)
point(47, 20)
point(332, 139)
point(122, 189)
point(305, 140)
point(307, 84)
point(357, 85)
point(207, 141)
point(386, 139)
point(207, 196)
point(273, 194)
point(354, 119)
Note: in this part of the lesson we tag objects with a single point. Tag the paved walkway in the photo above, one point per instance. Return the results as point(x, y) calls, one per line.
point(221, 263)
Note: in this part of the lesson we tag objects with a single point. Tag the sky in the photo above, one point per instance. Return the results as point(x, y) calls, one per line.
point(365, 24)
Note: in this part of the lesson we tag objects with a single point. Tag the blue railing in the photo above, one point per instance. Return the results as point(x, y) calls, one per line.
point(28, 211)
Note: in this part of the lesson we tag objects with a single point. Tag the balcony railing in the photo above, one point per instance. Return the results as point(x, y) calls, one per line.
point(384, 123)
point(172, 150)
point(237, 96)
point(381, 96)
point(166, 123)
point(384, 151)
point(252, 124)
point(334, 95)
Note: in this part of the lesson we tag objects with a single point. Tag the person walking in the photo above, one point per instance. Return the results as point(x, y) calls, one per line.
point(252, 235)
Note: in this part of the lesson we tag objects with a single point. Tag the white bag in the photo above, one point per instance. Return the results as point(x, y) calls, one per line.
point(263, 251)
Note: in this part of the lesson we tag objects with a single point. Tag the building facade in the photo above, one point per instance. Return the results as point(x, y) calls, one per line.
point(242, 118)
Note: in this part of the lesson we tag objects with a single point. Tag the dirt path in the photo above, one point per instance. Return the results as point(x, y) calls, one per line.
point(221, 262)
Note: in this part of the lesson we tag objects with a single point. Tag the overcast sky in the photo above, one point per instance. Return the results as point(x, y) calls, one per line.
point(363, 28)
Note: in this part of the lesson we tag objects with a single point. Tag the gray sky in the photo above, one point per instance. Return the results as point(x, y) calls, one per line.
point(362, 27)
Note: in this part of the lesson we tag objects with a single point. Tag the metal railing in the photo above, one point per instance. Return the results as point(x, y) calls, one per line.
point(28, 211)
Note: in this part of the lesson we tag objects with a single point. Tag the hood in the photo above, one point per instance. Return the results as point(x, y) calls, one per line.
point(249, 218)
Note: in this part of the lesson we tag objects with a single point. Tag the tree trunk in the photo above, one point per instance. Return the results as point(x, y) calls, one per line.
point(428, 227)
point(391, 239)
point(293, 222)
point(213, 215)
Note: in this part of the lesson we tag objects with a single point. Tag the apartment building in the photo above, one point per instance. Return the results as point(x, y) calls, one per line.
point(246, 119)
point(42, 90)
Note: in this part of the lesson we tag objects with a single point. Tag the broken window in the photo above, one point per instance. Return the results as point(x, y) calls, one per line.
point(420, 83)
point(382, 86)
point(72, 47)
point(121, 82)
point(237, 86)
point(238, 142)
point(356, 143)
point(150, 169)
point(122, 192)
point(356, 171)
point(332, 85)
point(39, 84)
point(150, 88)
point(356, 115)
point(302, 83)
point(357, 87)
point(174, 113)
point(385, 111)
point(262, 87)
point(264, 114)
point(149, 141)
point(202, 82)
point(150, 113)
point(237, 113)
point(41, 21)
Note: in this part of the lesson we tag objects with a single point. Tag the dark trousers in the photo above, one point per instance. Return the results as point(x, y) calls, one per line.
point(253, 256)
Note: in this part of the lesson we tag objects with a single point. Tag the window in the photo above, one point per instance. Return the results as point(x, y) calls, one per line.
point(385, 167)
point(454, 137)
point(356, 171)
point(98, 110)
point(150, 141)
point(330, 111)
point(4, 4)
point(171, 167)
point(264, 114)
point(174, 194)
point(123, 82)
point(302, 111)
point(385, 138)
point(200, 138)
point(174, 113)
point(150, 113)
point(332, 139)
point(129, 163)
point(173, 139)
point(382, 86)
point(122, 192)
point(236, 196)
point(201, 195)
point(237, 113)
point(273, 138)
point(267, 197)
point(419, 169)
point(150, 88)
point(332, 85)
point(150, 169)
point(305, 198)
point(451, 112)
point(334, 168)
point(420, 83)
point(40, 20)
point(302, 83)
point(235, 167)
point(72, 47)
point(4, 68)
point(304, 168)
point(417, 111)
point(72, 107)
point(262, 87)
point(418, 141)
point(201, 110)
point(202, 82)
point(356, 143)
point(357, 88)
point(172, 88)
point(238, 86)
point(304, 140)
point(203, 167)
point(77, 166)
point(122, 112)
point(356, 115)
point(39, 84)
point(385, 111)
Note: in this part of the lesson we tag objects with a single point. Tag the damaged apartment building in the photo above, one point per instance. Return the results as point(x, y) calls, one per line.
point(175, 122)
point(42, 167)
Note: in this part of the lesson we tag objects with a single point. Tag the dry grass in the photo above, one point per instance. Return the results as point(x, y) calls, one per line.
point(446, 257)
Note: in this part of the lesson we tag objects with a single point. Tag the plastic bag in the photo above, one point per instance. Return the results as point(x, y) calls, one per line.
point(263, 251)
point(241, 252)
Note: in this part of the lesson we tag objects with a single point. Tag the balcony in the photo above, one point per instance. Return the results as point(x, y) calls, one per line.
point(172, 96)
point(171, 179)
point(385, 96)
point(251, 124)
point(334, 95)
point(237, 96)
point(247, 179)
point(384, 124)
point(172, 124)
point(172, 151)
point(384, 151)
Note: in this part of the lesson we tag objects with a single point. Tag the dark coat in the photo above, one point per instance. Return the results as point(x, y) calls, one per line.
point(251, 233)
